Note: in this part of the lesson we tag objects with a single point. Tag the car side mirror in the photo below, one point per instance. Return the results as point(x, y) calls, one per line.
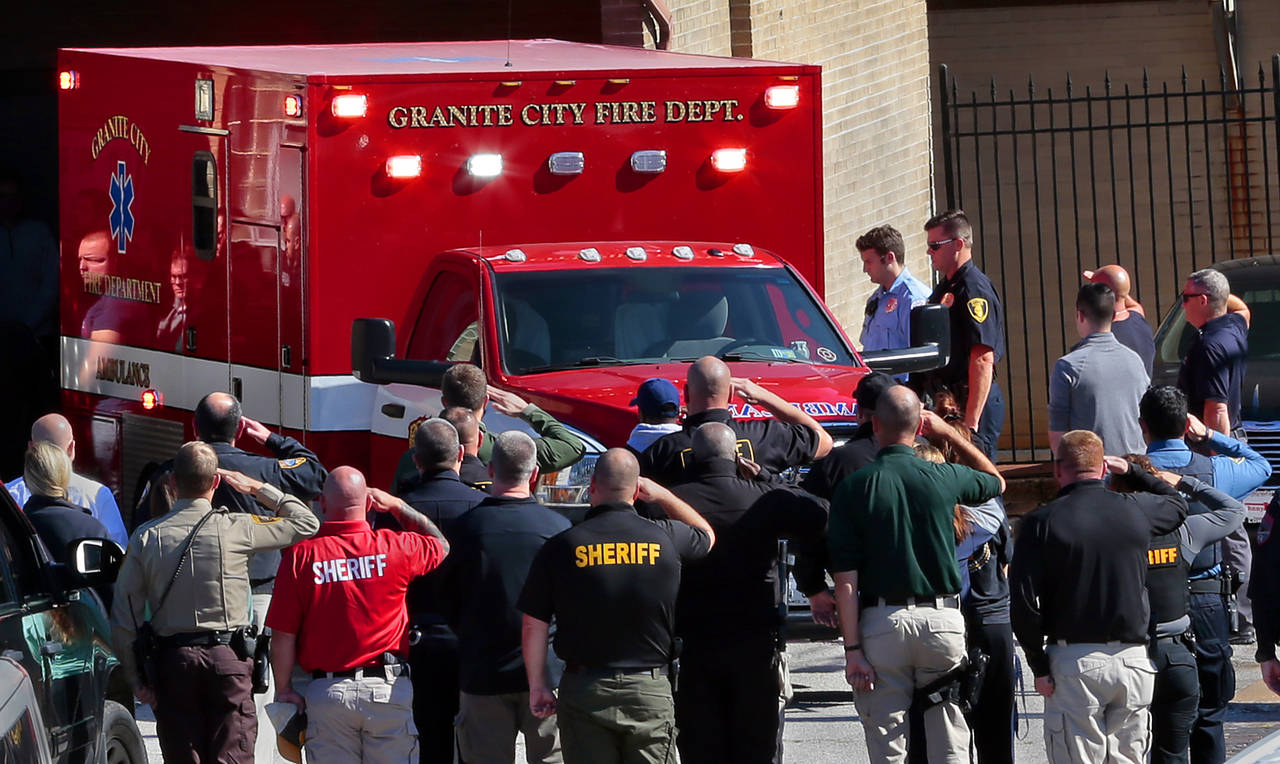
point(373, 357)
point(930, 344)
point(96, 560)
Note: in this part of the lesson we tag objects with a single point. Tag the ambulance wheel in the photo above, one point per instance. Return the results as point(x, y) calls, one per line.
point(122, 740)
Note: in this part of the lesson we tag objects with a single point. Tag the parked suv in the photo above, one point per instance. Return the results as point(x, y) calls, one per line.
point(1256, 280)
point(55, 637)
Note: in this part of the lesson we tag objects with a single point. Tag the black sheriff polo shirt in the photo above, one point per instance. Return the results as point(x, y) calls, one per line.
point(611, 584)
point(977, 318)
point(775, 446)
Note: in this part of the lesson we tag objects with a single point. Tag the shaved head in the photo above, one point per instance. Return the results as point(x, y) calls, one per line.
point(346, 496)
point(714, 440)
point(708, 385)
point(1115, 277)
point(616, 477)
point(897, 415)
point(52, 428)
point(464, 421)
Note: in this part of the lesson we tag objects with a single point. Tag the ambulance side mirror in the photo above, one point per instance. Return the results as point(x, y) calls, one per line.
point(930, 344)
point(373, 357)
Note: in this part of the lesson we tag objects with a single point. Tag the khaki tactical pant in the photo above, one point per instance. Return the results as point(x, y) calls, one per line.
point(909, 647)
point(1099, 710)
point(486, 728)
point(617, 718)
point(368, 719)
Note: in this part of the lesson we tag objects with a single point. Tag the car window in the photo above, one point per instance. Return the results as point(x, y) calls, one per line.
point(16, 569)
point(1176, 341)
point(1264, 308)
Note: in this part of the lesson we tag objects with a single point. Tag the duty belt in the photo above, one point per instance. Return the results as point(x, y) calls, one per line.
point(1206, 586)
point(197, 639)
point(938, 601)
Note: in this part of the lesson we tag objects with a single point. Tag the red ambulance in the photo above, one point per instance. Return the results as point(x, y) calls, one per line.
point(574, 218)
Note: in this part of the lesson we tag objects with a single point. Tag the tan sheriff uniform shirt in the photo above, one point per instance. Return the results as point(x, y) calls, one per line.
point(212, 591)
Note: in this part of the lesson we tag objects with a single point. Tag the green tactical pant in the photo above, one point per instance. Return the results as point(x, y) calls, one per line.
point(616, 717)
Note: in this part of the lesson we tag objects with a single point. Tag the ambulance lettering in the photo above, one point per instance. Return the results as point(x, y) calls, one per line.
point(353, 569)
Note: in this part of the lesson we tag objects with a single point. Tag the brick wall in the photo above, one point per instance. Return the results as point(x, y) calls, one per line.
point(874, 55)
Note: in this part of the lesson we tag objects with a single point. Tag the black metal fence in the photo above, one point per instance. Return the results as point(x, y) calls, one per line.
point(1161, 178)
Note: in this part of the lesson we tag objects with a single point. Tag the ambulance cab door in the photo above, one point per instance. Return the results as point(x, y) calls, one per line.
point(290, 283)
point(253, 319)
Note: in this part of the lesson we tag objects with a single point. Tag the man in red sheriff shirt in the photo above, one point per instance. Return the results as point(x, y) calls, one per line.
point(339, 611)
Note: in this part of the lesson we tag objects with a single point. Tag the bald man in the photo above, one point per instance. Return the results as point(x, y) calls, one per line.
point(84, 492)
point(610, 583)
point(200, 682)
point(788, 439)
point(1130, 325)
point(339, 612)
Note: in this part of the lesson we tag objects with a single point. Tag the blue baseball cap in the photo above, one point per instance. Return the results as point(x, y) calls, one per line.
point(657, 397)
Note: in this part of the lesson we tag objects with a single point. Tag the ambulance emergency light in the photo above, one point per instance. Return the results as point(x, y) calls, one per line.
point(782, 96)
point(404, 166)
point(484, 165)
point(293, 106)
point(729, 160)
point(349, 105)
point(68, 79)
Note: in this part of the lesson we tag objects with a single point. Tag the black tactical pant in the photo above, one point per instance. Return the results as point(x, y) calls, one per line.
point(1174, 704)
point(727, 704)
point(433, 669)
point(1217, 677)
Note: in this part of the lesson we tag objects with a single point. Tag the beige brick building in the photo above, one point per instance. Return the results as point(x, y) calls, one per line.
point(876, 96)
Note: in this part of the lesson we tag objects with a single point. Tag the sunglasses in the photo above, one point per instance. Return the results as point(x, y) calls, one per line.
point(934, 246)
point(1186, 296)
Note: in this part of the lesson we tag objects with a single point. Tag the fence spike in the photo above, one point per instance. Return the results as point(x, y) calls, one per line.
point(1031, 85)
point(1107, 81)
point(1222, 78)
point(1262, 76)
point(993, 88)
point(1184, 77)
point(1146, 80)
point(1068, 84)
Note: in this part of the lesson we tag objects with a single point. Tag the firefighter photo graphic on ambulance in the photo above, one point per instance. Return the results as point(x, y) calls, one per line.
point(121, 193)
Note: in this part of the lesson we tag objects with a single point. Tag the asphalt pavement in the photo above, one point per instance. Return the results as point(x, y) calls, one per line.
point(822, 724)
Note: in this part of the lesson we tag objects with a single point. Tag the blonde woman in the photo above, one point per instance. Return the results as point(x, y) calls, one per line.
point(47, 472)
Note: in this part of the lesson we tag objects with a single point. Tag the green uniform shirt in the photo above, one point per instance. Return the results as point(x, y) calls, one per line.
point(891, 521)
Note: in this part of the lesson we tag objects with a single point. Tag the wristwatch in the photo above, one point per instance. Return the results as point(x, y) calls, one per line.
point(853, 647)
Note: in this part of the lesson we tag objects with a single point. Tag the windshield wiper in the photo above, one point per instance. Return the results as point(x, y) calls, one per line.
point(595, 360)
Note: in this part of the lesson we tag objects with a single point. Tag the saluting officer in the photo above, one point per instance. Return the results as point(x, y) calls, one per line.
point(188, 571)
point(611, 583)
point(1169, 556)
point(789, 439)
point(727, 612)
point(340, 613)
point(977, 329)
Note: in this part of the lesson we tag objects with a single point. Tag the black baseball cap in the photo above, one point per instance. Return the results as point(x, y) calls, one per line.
point(870, 388)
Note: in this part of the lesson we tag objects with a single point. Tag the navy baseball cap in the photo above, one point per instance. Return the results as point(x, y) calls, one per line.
point(870, 388)
point(657, 397)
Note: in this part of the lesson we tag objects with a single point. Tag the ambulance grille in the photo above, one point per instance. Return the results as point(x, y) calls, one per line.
point(1267, 444)
point(145, 441)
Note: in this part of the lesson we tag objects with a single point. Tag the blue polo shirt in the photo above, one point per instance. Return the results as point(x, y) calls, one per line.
point(887, 325)
point(1237, 470)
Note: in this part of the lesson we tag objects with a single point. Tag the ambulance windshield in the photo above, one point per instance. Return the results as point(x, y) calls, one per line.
point(549, 320)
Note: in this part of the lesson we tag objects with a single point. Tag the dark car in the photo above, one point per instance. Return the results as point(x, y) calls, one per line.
point(53, 626)
point(1256, 280)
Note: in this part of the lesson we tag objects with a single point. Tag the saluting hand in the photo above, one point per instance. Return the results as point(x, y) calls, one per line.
point(240, 481)
point(747, 390)
point(1196, 429)
point(651, 491)
point(383, 501)
point(1117, 464)
point(932, 425)
point(255, 429)
point(506, 403)
point(542, 702)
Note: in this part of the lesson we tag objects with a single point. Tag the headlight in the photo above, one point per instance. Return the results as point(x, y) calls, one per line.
point(569, 486)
